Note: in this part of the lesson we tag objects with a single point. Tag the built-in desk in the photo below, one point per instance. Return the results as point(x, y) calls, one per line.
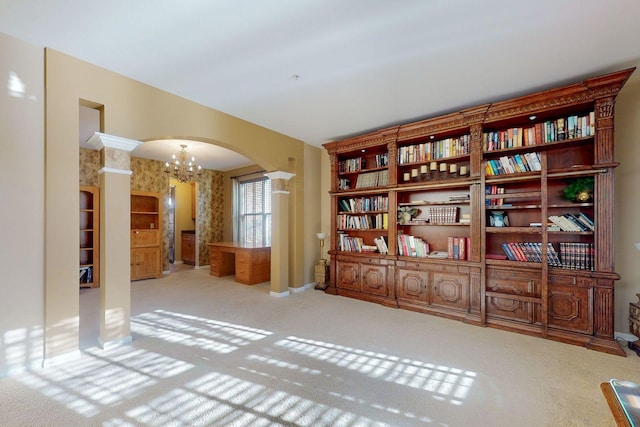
point(249, 263)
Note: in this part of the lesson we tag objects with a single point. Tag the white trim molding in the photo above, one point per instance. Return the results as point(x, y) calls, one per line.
point(114, 170)
point(101, 140)
point(279, 294)
point(279, 175)
point(63, 358)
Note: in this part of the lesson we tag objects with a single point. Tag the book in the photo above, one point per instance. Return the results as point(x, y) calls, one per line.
point(588, 222)
point(438, 255)
point(450, 247)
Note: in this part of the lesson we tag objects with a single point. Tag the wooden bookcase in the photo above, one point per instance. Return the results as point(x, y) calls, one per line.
point(482, 186)
point(89, 237)
point(146, 235)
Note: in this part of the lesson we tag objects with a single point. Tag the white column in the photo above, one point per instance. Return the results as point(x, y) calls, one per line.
point(115, 235)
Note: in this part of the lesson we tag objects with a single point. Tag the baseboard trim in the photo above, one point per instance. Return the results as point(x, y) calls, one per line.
point(279, 294)
point(625, 336)
point(108, 345)
point(47, 362)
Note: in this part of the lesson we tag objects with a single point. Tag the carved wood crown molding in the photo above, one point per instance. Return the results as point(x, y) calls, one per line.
point(430, 129)
point(366, 142)
point(604, 108)
point(476, 132)
point(601, 91)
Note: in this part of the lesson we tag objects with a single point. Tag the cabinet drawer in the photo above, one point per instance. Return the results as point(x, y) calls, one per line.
point(561, 279)
point(514, 282)
point(513, 310)
point(446, 268)
point(145, 238)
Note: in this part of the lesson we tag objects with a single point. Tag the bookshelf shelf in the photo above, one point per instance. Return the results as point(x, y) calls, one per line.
point(555, 284)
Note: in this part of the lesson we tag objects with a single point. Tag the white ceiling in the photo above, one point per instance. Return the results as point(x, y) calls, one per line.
point(362, 64)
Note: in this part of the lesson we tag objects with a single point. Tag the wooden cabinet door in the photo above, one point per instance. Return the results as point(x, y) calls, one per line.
point(146, 263)
point(348, 276)
point(189, 249)
point(569, 308)
point(374, 279)
point(451, 290)
point(413, 286)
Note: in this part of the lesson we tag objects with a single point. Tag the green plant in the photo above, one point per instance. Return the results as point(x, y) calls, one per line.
point(576, 186)
point(408, 209)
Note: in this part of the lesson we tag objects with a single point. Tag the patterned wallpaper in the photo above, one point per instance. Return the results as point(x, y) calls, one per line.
point(149, 175)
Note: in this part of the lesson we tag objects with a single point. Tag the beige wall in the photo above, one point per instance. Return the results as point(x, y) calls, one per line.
point(21, 205)
point(135, 111)
point(313, 193)
point(627, 206)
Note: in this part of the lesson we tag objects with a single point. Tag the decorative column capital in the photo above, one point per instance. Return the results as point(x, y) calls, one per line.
point(114, 152)
point(279, 181)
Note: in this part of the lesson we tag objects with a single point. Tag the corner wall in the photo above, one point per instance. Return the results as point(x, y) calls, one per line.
point(627, 199)
point(22, 205)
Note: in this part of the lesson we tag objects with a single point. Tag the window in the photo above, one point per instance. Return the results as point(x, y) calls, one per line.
point(253, 201)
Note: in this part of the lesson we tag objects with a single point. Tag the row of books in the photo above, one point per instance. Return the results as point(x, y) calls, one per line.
point(363, 222)
point(442, 214)
point(579, 222)
point(577, 256)
point(518, 163)
point(359, 163)
point(573, 256)
point(364, 204)
point(458, 247)
point(494, 189)
point(530, 252)
point(344, 184)
point(352, 165)
point(412, 246)
point(373, 179)
point(550, 131)
point(348, 243)
point(434, 150)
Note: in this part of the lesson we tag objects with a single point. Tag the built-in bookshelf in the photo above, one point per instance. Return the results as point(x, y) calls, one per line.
point(146, 235)
point(89, 237)
point(466, 215)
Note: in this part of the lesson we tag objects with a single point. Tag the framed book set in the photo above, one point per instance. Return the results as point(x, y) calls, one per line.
point(463, 215)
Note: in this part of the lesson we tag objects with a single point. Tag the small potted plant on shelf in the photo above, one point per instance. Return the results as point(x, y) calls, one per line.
point(579, 190)
point(406, 214)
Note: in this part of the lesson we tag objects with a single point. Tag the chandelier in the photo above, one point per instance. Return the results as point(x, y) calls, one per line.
point(183, 166)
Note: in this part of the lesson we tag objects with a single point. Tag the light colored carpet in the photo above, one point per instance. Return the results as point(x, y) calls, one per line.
point(211, 352)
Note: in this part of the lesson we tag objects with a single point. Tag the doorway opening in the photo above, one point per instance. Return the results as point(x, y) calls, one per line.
point(182, 226)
